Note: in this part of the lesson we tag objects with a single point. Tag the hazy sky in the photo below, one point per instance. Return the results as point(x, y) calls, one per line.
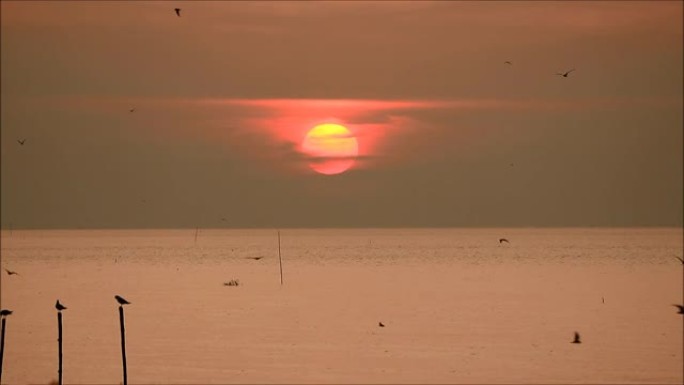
point(448, 135)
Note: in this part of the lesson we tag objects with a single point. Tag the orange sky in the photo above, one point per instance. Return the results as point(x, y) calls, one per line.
point(448, 134)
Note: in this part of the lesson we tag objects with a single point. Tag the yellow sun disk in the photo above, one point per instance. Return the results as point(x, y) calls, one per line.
point(330, 140)
point(332, 147)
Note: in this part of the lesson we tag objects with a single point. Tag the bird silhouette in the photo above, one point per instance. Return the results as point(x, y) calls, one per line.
point(382, 325)
point(502, 240)
point(577, 339)
point(177, 11)
point(507, 62)
point(564, 74)
point(5, 312)
point(680, 260)
point(21, 141)
point(254, 258)
point(681, 309)
point(59, 306)
point(131, 110)
point(10, 272)
point(121, 300)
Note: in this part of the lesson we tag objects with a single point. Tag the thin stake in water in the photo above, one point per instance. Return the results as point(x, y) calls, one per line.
point(196, 232)
point(3, 313)
point(59, 342)
point(122, 302)
point(280, 260)
point(59, 308)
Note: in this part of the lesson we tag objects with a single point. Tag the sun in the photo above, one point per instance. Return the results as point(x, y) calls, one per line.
point(331, 147)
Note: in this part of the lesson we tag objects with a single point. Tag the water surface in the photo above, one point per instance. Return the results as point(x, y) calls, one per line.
point(459, 307)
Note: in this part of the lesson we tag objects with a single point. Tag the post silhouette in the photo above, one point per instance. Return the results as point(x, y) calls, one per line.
point(59, 342)
point(123, 344)
point(2, 345)
point(280, 260)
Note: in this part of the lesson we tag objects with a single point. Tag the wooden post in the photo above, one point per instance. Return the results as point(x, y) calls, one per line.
point(2, 346)
point(123, 344)
point(280, 260)
point(59, 342)
point(196, 232)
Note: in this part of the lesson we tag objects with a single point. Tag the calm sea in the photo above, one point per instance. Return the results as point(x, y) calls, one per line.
point(457, 306)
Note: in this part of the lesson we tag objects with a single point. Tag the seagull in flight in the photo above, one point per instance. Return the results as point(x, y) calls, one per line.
point(577, 339)
point(177, 11)
point(564, 74)
point(508, 62)
point(59, 306)
point(5, 312)
point(254, 258)
point(680, 260)
point(21, 141)
point(10, 272)
point(382, 325)
point(132, 110)
point(681, 309)
point(121, 300)
point(502, 240)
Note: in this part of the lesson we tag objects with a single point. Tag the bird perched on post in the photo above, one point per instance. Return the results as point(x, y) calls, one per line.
point(121, 300)
point(577, 339)
point(5, 312)
point(59, 306)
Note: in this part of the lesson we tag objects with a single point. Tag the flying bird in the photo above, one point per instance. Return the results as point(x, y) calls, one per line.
point(5, 312)
point(382, 325)
point(502, 240)
point(254, 258)
point(564, 74)
point(10, 272)
point(680, 260)
point(121, 300)
point(507, 62)
point(21, 141)
point(59, 306)
point(177, 11)
point(681, 309)
point(131, 110)
point(577, 339)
